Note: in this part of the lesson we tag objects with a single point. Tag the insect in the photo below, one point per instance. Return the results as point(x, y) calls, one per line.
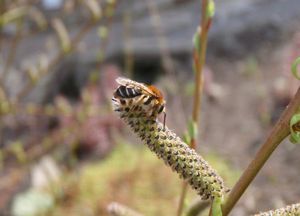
point(147, 95)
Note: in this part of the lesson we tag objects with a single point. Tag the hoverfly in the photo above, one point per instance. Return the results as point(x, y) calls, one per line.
point(145, 94)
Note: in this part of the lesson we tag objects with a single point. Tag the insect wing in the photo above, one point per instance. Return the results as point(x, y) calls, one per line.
point(135, 85)
point(124, 81)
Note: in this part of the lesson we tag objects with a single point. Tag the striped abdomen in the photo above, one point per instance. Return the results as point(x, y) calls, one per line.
point(127, 92)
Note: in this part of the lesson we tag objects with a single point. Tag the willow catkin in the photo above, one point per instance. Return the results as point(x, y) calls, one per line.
point(167, 145)
point(291, 210)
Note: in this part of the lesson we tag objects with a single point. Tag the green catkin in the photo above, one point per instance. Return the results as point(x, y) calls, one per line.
point(169, 147)
point(291, 210)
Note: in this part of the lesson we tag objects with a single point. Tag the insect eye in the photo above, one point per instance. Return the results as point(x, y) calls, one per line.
point(161, 108)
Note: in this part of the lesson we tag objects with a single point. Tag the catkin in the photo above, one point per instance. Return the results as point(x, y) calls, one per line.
point(291, 210)
point(175, 153)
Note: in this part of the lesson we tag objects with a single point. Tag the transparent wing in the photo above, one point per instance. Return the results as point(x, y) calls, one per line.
point(133, 84)
point(123, 81)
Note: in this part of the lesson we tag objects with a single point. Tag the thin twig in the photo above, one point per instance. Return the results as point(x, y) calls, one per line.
point(104, 42)
point(2, 9)
point(182, 198)
point(278, 134)
point(199, 61)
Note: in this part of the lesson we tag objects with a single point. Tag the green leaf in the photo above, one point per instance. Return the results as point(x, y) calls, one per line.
point(196, 40)
point(210, 10)
point(13, 15)
point(186, 138)
point(216, 206)
point(193, 129)
point(294, 68)
point(295, 134)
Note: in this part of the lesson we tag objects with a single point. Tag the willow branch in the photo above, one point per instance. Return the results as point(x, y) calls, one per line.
point(199, 61)
point(278, 134)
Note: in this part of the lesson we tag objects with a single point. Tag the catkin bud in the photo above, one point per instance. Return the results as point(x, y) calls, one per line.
point(291, 210)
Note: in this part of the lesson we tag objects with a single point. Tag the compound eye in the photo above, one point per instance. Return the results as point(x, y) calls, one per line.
point(161, 108)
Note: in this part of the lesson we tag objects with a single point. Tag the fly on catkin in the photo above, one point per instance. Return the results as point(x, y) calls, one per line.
point(139, 107)
point(291, 210)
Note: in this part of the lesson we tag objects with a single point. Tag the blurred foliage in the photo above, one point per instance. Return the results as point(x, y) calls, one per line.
point(32, 203)
point(36, 117)
point(132, 176)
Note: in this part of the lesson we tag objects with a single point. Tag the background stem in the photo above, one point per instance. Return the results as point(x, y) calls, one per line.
point(199, 61)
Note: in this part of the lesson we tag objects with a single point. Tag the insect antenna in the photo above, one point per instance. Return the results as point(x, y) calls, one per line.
point(165, 116)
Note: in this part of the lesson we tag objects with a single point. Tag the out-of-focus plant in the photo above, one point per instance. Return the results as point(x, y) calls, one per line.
point(29, 130)
point(117, 209)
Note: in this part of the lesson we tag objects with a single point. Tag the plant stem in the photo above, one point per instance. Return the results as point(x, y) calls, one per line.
point(182, 197)
point(199, 61)
point(278, 134)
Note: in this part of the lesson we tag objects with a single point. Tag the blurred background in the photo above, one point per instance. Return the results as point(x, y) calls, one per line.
point(64, 152)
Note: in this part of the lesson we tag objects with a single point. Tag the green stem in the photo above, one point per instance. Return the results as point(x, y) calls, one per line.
point(278, 134)
point(199, 61)
point(182, 197)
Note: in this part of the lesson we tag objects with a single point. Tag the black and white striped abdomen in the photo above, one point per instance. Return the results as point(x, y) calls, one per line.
point(127, 92)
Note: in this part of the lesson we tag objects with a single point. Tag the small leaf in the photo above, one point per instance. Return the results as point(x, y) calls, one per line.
point(196, 40)
point(193, 129)
point(216, 206)
point(295, 129)
point(62, 34)
point(18, 149)
point(186, 138)
point(294, 68)
point(210, 10)
point(94, 9)
point(13, 15)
